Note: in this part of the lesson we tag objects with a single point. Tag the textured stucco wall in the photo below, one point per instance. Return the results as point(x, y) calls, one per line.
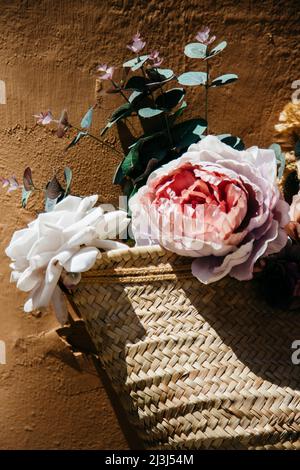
point(48, 53)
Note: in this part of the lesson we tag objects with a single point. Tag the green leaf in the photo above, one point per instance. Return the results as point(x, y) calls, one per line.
point(195, 50)
point(232, 141)
point(149, 112)
point(120, 113)
point(87, 119)
point(160, 75)
point(170, 98)
point(136, 63)
point(119, 174)
point(68, 179)
point(216, 50)
point(76, 139)
point(135, 96)
point(280, 158)
point(224, 79)
point(188, 132)
point(130, 161)
point(136, 83)
point(25, 197)
point(192, 78)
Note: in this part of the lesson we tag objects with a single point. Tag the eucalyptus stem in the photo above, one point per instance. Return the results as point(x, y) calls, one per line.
point(96, 138)
point(206, 94)
point(120, 91)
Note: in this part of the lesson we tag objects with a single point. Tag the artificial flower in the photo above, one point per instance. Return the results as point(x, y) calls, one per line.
point(203, 36)
point(217, 204)
point(10, 183)
point(66, 240)
point(44, 117)
point(293, 227)
point(137, 44)
point(108, 72)
point(155, 58)
point(288, 127)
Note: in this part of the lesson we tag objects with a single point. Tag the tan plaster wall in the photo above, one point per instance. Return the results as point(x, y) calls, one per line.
point(48, 53)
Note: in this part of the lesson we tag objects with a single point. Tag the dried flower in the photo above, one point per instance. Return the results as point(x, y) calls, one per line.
point(108, 72)
point(10, 183)
point(44, 118)
point(155, 58)
point(203, 36)
point(137, 44)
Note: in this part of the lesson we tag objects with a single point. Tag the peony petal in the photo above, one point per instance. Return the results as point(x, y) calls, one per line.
point(211, 269)
point(60, 307)
point(82, 261)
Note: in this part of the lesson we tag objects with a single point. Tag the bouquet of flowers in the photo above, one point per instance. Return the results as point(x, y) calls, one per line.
point(195, 194)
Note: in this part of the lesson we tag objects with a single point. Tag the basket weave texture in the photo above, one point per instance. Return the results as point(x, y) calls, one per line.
point(195, 366)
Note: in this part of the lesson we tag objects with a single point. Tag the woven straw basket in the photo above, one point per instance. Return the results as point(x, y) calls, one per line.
point(194, 366)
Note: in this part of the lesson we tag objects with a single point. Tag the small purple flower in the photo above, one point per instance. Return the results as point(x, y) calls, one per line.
point(137, 44)
point(155, 58)
point(10, 183)
point(44, 118)
point(107, 72)
point(203, 36)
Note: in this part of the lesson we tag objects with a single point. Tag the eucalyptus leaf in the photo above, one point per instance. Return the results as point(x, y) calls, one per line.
point(68, 179)
point(188, 132)
point(178, 112)
point(224, 79)
point(149, 112)
point(232, 141)
point(87, 119)
point(50, 204)
point(25, 197)
point(130, 162)
point(76, 139)
point(27, 179)
point(151, 165)
point(119, 176)
point(170, 98)
point(216, 50)
point(280, 159)
point(120, 113)
point(193, 78)
point(136, 63)
point(195, 50)
point(135, 96)
point(54, 189)
point(136, 83)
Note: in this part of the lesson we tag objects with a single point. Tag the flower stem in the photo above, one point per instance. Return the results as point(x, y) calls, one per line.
point(96, 138)
point(206, 94)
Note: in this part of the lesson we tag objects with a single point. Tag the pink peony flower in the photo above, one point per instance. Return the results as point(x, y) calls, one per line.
point(108, 72)
point(203, 36)
point(217, 204)
point(137, 44)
